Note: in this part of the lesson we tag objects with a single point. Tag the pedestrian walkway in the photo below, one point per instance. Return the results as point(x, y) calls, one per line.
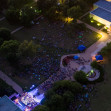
point(10, 82)
point(2, 18)
point(17, 29)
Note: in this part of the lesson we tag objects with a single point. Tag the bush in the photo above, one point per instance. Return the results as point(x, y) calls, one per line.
point(12, 58)
point(41, 108)
point(12, 15)
point(80, 77)
point(5, 34)
point(95, 65)
point(106, 50)
point(9, 47)
point(1, 41)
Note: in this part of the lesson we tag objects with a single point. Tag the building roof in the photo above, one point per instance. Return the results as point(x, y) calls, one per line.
point(104, 4)
point(7, 105)
point(102, 14)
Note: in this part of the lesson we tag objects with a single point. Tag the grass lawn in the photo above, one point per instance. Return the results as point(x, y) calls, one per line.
point(5, 24)
point(5, 89)
point(1, 15)
point(92, 22)
point(55, 35)
point(26, 82)
point(102, 102)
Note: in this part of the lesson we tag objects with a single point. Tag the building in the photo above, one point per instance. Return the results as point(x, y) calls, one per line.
point(8, 105)
point(102, 12)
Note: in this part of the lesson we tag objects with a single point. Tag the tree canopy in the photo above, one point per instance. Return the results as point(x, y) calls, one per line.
point(28, 49)
point(80, 77)
point(9, 47)
point(41, 108)
point(5, 34)
point(59, 97)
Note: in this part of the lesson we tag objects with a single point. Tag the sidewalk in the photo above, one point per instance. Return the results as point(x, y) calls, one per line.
point(10, 82)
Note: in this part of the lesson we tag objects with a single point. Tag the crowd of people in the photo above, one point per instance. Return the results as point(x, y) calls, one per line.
point(43, 67)
point(60, 75)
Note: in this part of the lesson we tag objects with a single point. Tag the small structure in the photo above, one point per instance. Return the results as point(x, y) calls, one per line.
point(29, 100)
point(99, 58)
point(76, 57)
point(81, 47)
point(7, 104)
point(91, 74)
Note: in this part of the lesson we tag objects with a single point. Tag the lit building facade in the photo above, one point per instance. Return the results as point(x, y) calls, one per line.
point(102, 12)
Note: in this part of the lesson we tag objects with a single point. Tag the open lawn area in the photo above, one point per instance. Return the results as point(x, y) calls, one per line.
point(1, 16)
point(27, 81)
point(5, 24)
point(102, 102)
point(92, 22)
point(55, 35)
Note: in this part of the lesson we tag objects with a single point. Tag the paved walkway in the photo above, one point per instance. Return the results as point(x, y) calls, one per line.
point(10, 82)
point(19, 28)
point(2, 18)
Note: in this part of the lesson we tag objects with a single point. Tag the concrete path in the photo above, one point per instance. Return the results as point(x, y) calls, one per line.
point(10, 82)
point(17, 29)
point(2, 18)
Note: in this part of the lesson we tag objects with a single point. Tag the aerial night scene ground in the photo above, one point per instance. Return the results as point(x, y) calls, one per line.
point(55, 55)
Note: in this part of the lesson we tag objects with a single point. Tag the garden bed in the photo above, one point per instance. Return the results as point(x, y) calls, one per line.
point(92, 22)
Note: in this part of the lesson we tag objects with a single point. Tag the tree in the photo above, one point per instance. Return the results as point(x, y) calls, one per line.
point(55, 100)
point(5, 34)
point(41, 108)
point(27, 14)
point(9, 47)
point(106, 50)
point(61, 95)
point(51, 14)
point(91, 2)
point(13, 15)
point(28, 49)
point(80, 77)
point(44, 5)
point(3, 4)
point(74, 12)
point(68, 97)
point(18, 4)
